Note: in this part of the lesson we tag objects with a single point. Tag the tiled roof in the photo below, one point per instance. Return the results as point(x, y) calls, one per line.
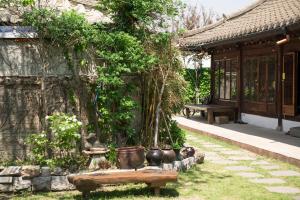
point(263, 16)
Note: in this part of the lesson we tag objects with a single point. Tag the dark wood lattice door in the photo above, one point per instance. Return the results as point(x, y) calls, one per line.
point(289, 84)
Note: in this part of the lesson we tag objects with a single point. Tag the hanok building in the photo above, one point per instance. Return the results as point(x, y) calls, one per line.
point(255, 57)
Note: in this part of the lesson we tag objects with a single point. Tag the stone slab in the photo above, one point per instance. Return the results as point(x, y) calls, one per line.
point(232, 152)
point(261, 162)
point(167, 166)
point(239, 168)
point(269, 167)
point(11, 171)
point(41, 183)
point(249, 174)
point(45, 171)
point(61, 183)
point(220, 150)
point(6, 188)
point(213, 158)
point(21, 184)
point(6, 179)
point(30, 171)
point(177, 165)
point(212, 146)
point(211, 154)
point(268, 180)
point(297, 198)
point(224, 162)
point(283, 189)
point(241, 158)
point(285, 173)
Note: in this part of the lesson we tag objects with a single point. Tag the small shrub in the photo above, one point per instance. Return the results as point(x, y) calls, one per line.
point(64, 137)
point(178, 135)
point(111, 156)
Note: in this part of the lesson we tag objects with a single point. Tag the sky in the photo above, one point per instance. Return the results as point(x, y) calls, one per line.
point(222, 6)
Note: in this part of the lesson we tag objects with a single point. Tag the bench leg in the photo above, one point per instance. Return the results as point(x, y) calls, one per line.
point(156, 187)
point(210, 117)
point(202, 113)
point(188, 113)
point(86, 195)
point(157, 191)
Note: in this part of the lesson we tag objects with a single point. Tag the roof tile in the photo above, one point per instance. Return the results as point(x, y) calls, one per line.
point(264, 15)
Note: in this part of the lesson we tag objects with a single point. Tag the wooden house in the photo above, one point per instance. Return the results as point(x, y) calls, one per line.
point(255, 60)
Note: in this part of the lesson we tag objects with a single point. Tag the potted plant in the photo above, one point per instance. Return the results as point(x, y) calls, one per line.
point(177, 147)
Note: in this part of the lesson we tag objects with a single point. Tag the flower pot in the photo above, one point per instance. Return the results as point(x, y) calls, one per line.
point(168, 155)
point(130, 157)
point(154, 157)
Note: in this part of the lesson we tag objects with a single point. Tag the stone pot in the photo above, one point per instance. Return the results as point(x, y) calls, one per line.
point(154, 157)
point(169, 155)
point(130, 157)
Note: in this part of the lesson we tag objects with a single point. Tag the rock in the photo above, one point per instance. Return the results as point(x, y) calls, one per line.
point(6, 179)
point(1, 168)
point(95, 160)
point(177, 165)
point(58, 172)
point(45, 171)
point(6, 188)
point(21, 184)
point(192, 161)
point(11, 171)
point(41, 183)
point(61, 183)
point(30, 171)
point(200, 158)
point(185, 164)
point(167, 167)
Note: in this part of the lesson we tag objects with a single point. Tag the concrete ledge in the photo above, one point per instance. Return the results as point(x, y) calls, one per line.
point(248, 147)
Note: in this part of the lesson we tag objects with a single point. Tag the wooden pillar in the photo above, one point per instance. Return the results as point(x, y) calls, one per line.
point(240, 83)
point(212, 76)
point(279, 87)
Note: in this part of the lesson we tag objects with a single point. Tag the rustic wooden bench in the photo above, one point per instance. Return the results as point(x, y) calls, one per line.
point(155, 179)
point(211, 109)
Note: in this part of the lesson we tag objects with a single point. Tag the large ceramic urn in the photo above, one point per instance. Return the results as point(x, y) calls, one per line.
point(154, 157)
point(130, 157)
point(169, 155)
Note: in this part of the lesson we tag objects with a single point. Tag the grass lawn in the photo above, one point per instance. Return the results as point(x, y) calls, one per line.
point(207, 181)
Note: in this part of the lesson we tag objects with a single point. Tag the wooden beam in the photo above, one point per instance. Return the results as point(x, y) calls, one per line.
point(213, 78)
point(240, 83)
point(279, 87)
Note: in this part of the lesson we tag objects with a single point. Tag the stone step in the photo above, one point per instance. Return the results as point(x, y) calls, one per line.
point(295, 132)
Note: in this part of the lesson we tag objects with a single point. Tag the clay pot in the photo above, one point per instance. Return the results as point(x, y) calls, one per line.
point(154, 157)
point(187, 152)
point(130, 157)
point(168, 155)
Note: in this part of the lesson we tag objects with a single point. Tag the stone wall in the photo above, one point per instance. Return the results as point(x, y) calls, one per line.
point(21, 107)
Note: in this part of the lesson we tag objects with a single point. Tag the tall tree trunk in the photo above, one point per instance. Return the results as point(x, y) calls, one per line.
point(158, 109)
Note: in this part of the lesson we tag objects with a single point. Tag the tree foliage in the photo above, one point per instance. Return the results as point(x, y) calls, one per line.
point(129, 54)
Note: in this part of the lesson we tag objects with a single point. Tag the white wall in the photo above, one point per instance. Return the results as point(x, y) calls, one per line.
point(268, 122)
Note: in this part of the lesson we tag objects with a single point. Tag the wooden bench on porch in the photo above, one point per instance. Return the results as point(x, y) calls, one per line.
point(155, 179)
point(211, 109)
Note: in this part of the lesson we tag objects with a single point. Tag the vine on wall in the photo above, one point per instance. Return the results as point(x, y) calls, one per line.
point(127, 47)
